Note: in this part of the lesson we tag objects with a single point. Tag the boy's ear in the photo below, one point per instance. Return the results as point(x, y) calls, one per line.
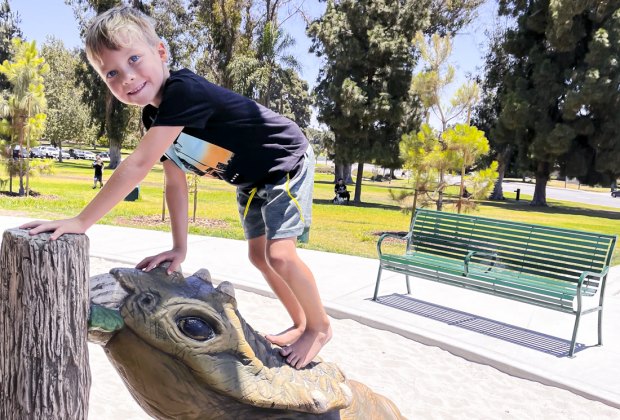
point(161, 50)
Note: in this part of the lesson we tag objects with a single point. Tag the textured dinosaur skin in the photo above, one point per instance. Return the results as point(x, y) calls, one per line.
point(185, 352)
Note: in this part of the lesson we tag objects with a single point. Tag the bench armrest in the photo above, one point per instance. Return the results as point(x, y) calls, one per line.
point(469, 256)
point(587, 274)
point(390, 235)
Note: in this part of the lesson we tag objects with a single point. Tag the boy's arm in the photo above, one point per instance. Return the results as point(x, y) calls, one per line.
point(128, 174)
point(176, 199)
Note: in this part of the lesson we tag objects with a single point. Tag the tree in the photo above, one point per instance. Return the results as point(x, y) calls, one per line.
point(362, 91)
point(66, 117)
point(449, 16)
point(430, 85)
point(259, 73)
point(9, 30)
point(429, 153)
point(464, 146)
point(559, 109)
point(486, 114)
point(222, 21)
point(23, 107)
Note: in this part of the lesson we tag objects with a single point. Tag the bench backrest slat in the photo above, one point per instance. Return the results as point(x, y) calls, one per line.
point(556, 253)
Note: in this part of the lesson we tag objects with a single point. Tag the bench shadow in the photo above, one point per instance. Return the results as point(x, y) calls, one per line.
point(544, 343)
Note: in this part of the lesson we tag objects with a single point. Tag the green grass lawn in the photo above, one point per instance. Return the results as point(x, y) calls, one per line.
point(352, 229)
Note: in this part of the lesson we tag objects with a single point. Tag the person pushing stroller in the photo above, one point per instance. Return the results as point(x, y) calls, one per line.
point(341, 192)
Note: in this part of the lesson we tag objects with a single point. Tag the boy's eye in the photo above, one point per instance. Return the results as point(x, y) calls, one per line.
point(111, 74)
point(134, 58)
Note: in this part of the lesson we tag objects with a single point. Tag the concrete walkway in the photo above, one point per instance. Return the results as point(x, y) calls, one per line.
point(515, 338)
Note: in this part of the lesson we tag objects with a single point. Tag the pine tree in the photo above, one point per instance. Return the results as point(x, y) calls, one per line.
point(559, 109)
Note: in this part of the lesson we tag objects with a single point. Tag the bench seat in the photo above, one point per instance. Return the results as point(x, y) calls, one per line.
point(559, 269)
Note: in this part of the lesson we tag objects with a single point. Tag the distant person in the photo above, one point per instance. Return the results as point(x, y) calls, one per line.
point(98, 165)
point(195, 126)
point(341, 191)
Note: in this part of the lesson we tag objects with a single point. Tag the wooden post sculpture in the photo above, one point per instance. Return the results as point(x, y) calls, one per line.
point(44, 308)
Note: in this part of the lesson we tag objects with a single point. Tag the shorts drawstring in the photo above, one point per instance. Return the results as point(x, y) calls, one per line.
point(288, 192)
point(293, 199)
point(247, 206)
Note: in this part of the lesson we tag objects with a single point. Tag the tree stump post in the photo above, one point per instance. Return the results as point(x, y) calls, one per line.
point(44, 292)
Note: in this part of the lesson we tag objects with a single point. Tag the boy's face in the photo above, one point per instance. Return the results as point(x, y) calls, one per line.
point(135, 74)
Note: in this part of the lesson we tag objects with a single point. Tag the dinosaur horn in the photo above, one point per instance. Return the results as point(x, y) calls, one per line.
point(106, 297)
point(106, 291)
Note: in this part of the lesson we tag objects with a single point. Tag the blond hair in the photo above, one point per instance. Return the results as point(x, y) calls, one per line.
point(116, 28)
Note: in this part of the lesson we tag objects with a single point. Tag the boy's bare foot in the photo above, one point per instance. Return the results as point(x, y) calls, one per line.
point(286, 337)
point(302, 351)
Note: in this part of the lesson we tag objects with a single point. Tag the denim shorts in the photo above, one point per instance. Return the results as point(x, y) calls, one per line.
point(280, 210)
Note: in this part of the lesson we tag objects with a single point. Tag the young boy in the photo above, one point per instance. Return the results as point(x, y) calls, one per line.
point(196, 126)
point(98, 177)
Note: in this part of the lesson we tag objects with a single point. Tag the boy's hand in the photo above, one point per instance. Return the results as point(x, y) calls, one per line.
point(175, 256)
point(57, 227)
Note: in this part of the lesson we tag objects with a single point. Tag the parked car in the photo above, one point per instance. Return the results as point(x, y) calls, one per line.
point(81, 154)
point(36, 152)
point(64, 154)
point(105, 156)
point(89, 155)
point(49, 151)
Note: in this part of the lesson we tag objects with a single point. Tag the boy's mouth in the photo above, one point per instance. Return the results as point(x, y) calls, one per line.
point(137, 89)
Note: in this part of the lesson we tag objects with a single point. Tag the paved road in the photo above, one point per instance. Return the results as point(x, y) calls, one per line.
point(587, 197)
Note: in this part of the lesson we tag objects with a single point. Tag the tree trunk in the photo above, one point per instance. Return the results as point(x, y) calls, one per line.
point(339, 171)
point(346, 172)
point(502, 164)
point(358, 183)
point(440, 188)
point(343, 170)
point(540, 190)
point(44, 372)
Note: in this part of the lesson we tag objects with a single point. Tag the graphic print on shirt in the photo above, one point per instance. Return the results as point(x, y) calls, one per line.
point(197, 156)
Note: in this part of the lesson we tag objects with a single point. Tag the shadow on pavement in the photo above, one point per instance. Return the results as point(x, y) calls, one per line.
point(527, 338)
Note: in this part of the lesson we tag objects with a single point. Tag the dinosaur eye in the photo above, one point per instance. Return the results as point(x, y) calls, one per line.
point(196, 328)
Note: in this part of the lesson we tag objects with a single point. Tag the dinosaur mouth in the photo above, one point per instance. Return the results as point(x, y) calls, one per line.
point(106, 298)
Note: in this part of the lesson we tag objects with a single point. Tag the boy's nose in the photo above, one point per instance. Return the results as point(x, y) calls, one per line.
point(129, 77)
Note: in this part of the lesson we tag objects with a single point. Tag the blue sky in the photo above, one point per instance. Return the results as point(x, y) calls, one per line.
point(53, 17)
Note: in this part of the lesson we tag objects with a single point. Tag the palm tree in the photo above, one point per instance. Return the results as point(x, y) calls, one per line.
point(22, 108)
point(257, 73)
point(272, 53)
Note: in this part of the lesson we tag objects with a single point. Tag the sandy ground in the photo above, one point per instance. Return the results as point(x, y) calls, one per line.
point(424, 382)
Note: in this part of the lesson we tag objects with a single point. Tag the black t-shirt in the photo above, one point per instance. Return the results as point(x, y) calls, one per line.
point(225, 135)
point(98, 169)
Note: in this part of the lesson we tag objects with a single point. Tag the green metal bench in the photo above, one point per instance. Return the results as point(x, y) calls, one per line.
point(539, 265)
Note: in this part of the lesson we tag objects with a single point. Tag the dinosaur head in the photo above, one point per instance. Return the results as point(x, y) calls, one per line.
point(181, 344)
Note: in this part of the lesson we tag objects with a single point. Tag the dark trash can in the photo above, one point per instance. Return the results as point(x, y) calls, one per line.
point(134, 194)
point(304, 238)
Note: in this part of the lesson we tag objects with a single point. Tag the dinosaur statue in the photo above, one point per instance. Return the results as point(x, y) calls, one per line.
point(185, 352)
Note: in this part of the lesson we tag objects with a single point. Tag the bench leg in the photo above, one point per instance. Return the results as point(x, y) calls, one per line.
point(571, 352)
point(408, 285)
point(377, 285)
point(600, 326)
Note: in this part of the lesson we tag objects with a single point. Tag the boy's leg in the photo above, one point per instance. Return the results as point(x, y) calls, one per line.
point(282, 256)
point(257, 254)
point(287, 213)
